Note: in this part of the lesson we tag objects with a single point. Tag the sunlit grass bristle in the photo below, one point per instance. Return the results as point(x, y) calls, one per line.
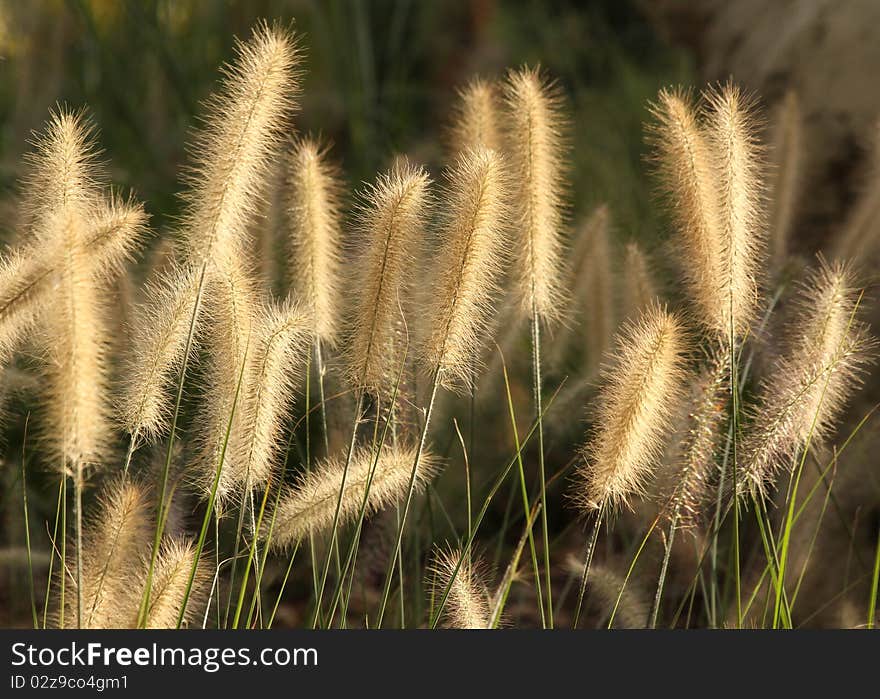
point(476, 121)
point(633, 411)
point(241, 131)
point(312, 203)
point(391, 226)
point(467, 601)
point(309, 506)
point(821, 365)
point(467, 268)
point(535, 146)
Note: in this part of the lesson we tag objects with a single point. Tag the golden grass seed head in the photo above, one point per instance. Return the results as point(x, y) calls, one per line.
point(309, 506)
point(242, 130)
point(467, 602)
point(281, 338)
point(467, 268)
point(391, 226)
point(633, 411)
point(168, 589)
point(827, 350)
point(535, 145)
point(476, 118)
point(313, 196)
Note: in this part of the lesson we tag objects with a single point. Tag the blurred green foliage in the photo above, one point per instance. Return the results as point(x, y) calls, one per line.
point(380, 78)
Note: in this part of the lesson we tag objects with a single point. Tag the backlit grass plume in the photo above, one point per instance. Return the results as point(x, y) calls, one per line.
point(633, 411)
point(739, 185)
point(280, 344)
point(31, 273)
point(159, 341)
point(827, 349)
point(309, 506)
point(241, 131)
point(688, 176)
point(313, 209)
point(467, 601)
point(534, 140)
point(76, 425)
point(467, 266)
point(169, 585)
point(111, 554)
point(391, 228)
point(476, 119)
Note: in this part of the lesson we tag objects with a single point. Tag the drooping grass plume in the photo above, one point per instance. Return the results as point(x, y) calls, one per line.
point(313, 192)
point(24, 292)
point(687, 175)
point(30, 273)
point(111, 558)
point(159, 342)
point(787, 152)
point(534, 129)
point(169, 585)
point(274, 364)
point(391, 226)
point(114, 233)
point(467, 602)
point(827, 349)
point(476, 119)
point(467, 267)
point(737, 163)
point(633, 411)
point(639, 289)
point(244, 122)
point(309, 506)
point(230, 308)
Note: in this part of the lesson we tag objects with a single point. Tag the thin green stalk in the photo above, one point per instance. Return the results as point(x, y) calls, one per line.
point(351, 556)
point(629, 572)
point(333, 532)
point(435, 383)
point(27, 529)
point(588, 560)
point(510, 572)
point(283, 585)
point(319, 367)
point(132, 446)
point(206, 520)
point(496, 485)
point(524, 493)
point(64, 571)
point(77, 494)
point(875, 576)
point(536, 373)
point(670, 538)
point(54, 549)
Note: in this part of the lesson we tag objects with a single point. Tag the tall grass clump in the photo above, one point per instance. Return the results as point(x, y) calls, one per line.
point(173, 401)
